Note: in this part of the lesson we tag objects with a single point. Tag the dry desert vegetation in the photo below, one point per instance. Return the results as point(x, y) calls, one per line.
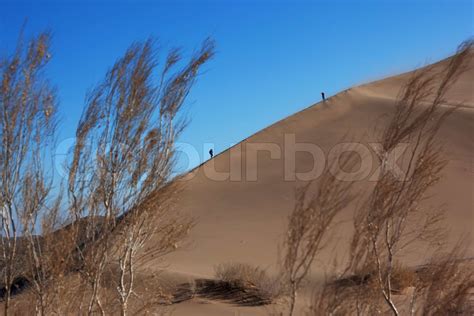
point(121, 234)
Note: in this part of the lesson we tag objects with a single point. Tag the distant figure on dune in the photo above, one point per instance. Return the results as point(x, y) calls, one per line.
point(211, 153)
point(323, 96)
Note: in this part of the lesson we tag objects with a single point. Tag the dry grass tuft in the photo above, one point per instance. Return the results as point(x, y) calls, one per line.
point(246, 277)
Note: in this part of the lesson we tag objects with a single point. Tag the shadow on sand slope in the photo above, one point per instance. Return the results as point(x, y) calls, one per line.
point(219, 290)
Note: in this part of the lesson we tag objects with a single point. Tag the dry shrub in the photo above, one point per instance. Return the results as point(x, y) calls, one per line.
point(359, 294)
point(446, 285)
point(28, 107)
point(121, 170)
point(247, 277)
point(120, 190)
point(391, 222)
point(317, 205)
point(402, 278)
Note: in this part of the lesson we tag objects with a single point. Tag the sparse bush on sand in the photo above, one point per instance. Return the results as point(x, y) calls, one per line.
point(28, 120)
point(122, 164)
point(247, 277)
point(391, 222)
point(119, 195)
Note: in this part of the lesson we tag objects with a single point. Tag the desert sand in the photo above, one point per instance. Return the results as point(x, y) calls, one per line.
point(241, 220)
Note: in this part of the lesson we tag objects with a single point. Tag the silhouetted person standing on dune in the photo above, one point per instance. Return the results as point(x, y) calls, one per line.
point(211, 153)
point(323, 96)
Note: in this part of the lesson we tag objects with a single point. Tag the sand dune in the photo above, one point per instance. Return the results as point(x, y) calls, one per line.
point(241, 220)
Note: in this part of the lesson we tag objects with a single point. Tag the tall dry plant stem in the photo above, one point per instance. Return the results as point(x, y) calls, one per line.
point(119, 177)
point(27, 128)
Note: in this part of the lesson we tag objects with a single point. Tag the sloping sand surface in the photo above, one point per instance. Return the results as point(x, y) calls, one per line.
point(241, 220)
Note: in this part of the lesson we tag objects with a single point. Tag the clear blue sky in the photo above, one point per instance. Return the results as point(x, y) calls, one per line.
point(273, 57)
